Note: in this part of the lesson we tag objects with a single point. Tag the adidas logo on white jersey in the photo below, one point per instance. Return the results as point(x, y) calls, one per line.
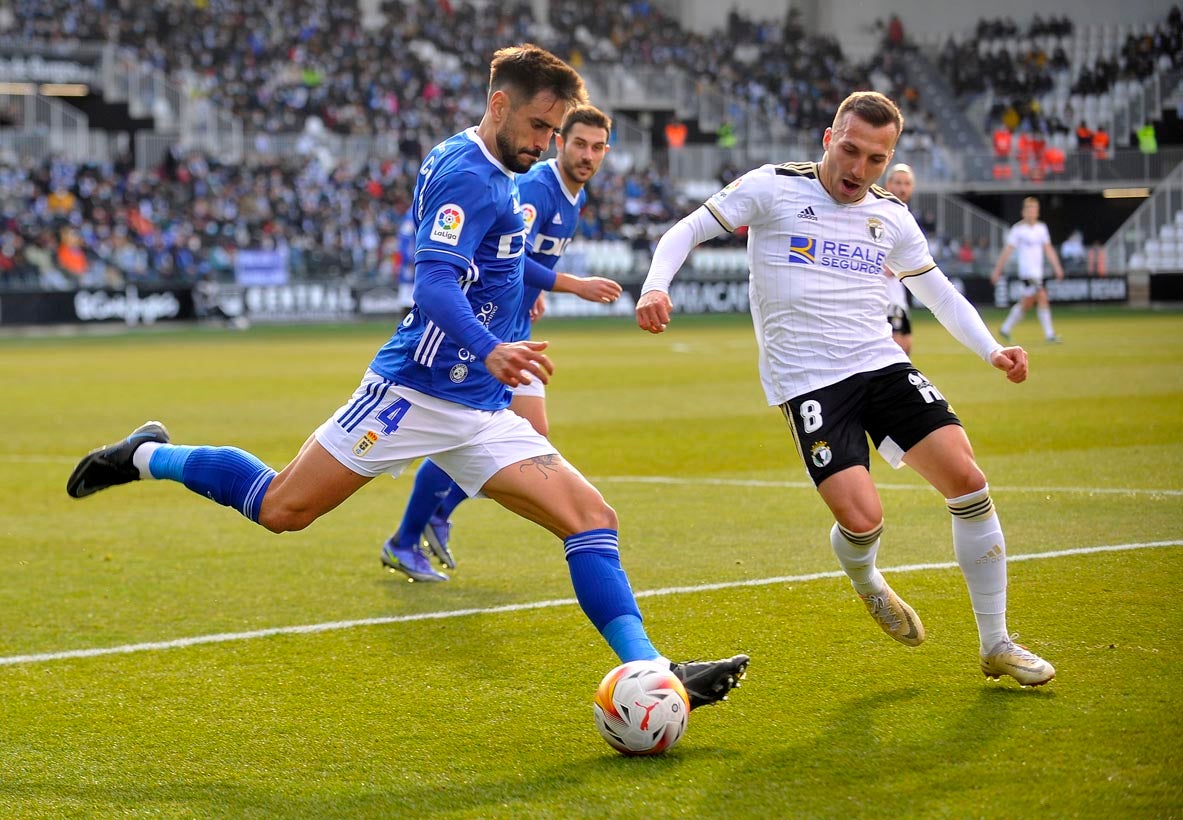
point(807, 213)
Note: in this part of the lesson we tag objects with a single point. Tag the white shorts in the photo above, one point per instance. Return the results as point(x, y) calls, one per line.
point(535, 389)
point(386, 426)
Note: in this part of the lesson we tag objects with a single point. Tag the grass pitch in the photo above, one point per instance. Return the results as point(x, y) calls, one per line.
point(399, 706)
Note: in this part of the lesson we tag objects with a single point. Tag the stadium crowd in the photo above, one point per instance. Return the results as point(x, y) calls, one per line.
point(65, 225)
point(1015, 64)
point(414, 76)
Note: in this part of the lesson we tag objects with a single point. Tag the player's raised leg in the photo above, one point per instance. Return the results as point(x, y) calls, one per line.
point(549, 491)
point(311, 485)
point(945, 458)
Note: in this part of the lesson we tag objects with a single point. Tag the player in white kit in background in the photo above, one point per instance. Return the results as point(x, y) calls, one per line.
point(1030, 238)
point(900, 182)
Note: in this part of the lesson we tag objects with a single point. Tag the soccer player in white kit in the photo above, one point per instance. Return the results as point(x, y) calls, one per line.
point(819, 237)
point(1030, 238)
point(900, 182)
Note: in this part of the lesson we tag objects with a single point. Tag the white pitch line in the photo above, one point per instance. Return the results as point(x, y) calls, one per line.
point(805, 485)
point(733, 482)
point(227, 637)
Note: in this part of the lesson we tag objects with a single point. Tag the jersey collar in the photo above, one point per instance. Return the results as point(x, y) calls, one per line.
point(471, 134)
point(554, 167)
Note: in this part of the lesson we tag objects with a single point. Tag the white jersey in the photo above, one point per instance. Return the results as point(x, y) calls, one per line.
point(1028, 242)
point(818, 290)
point(897, 294)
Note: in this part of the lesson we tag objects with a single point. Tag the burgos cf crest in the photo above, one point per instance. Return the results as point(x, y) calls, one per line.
point(449, 220)
point(875, 228)
point(820, 453)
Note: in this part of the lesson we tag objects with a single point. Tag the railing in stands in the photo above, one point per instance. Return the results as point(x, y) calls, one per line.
point(179, 114)
point(45, 126)
point(1125, 249)
point(960, 221)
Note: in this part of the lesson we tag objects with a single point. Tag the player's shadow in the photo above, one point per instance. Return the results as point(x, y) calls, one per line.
point(883, 760)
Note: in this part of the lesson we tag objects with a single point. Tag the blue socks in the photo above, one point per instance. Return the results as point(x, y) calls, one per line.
point(432, 486)
point(603, 591)
point(227, 475)
point(451, 501)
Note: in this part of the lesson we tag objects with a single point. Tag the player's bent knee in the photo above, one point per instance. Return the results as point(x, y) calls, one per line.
point(279, 519)
point(592, 516)
point(859, 521)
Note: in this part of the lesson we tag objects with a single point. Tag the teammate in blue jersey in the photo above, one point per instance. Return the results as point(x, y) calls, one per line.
point(440, 386)
point(552, 195)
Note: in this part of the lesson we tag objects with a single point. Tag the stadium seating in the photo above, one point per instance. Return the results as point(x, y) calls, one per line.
point(280, 68)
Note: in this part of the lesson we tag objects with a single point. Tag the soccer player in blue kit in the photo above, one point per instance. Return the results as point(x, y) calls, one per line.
point(439, 386)
point(552, 196)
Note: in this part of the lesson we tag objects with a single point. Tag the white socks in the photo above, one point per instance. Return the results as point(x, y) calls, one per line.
point(1045, 321)
point(981, 552)
point(1012, 318)
point(142, 456)
point(856, 553)
point(1016, 315)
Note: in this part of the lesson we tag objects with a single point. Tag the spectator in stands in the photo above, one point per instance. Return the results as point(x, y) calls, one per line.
point(1101, 143)
point(1096, 265)
point(966, 256)
point(895, 33)
point(71, 259)
point(40, 255)
point(1073, 253)
point(12, 271)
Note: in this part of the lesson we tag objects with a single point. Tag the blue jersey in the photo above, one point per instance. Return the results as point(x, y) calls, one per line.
point(552, 214)
point(406, 249)
point(467, 214)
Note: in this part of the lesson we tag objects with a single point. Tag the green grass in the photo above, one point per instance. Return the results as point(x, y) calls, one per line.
point(489, 714)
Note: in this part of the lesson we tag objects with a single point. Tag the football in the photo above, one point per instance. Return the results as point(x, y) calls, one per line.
point(641, 708)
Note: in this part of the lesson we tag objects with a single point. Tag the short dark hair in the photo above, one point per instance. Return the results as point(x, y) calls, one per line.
point(524, 71)
point(873, 108)
point(588, 115)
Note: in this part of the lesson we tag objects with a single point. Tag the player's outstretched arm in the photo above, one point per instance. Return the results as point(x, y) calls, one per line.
point(1012, 361)
point(591, 288)
point(655, 306)
point(960, 318)
point(518, 363)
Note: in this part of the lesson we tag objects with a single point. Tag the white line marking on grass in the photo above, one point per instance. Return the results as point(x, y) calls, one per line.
point(805, 485)
point(731, 482)
point(227, 637)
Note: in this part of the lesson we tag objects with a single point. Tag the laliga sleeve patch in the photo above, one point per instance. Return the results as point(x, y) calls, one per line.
point(449, 221)
point(529, 214)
